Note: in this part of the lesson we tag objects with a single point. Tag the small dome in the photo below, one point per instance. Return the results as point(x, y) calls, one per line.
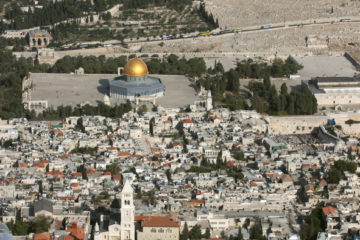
point(136, 67)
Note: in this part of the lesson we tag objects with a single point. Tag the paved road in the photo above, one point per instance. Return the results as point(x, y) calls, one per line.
point(259, 28)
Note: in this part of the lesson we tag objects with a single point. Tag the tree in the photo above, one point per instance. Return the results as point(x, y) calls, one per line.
point(267, 82)
point(79, 125)
point(240, 236)
point(233, 81)
point(195, 232)
point(83, 172)
point(40, 224)
point(185, 233)
point(283, 89)
point(222, 234)
point(113, 168)
point(40, 187)
point(246, 223)
point(207, 233)
point(168, 175)
point(142, 109)
point(100, 5)
point(151, 126)
point(219, 161)
point(256, 231)
point(314, 223)
point(19, 228)
point(238, 154)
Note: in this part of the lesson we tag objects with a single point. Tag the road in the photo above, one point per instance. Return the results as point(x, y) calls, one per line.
point(257, 28)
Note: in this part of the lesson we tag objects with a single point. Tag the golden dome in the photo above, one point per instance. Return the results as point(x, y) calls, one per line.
point(136, 67)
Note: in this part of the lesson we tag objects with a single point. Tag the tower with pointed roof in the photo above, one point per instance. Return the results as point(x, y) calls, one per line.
point(127, 212)
point(209, 104)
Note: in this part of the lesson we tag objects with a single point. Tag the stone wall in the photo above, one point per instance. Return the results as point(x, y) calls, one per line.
point(294, 124)
point(337, 98)
point(305, 124)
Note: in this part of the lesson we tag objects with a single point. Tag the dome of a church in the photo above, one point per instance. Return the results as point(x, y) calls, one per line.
point(136, 67)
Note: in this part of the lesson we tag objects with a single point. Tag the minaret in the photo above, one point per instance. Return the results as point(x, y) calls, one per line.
point(127, 213)
point(209, 105)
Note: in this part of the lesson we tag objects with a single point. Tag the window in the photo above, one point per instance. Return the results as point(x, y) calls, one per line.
point(161, 230)
point(169, 230)
point(153, 230)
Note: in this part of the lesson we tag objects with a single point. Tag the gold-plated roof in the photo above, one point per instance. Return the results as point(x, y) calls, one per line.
point(136, 67)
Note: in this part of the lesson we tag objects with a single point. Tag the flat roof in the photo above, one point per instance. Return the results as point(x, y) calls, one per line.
point(336, 79)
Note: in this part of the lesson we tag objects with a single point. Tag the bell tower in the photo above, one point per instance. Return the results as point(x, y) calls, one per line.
point(209, 104)
point(127, 213)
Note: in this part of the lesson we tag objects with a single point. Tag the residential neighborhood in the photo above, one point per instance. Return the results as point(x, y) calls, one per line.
point(211, 174)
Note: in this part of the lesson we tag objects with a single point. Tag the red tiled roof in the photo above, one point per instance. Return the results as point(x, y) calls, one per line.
point(76, 174)
point(323, 182)
point(67, 198)
point(55, 173)
point(42, 236)
point(178, 144)
point(160, 221)
point(117, 177)
point(23, 164)
point(76, 231)
point(124, 154)
point(230, 163)
point(65, 156)
point(166, 164)
point(39, 165)
point(187, 121)
point(111, 148)
point(90, 171)
point(328, 210)
point(309, 187)
point(286, 178)
point(68, 237)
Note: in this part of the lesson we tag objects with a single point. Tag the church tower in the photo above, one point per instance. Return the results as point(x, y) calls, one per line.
point(209, 104)
point(127, 213)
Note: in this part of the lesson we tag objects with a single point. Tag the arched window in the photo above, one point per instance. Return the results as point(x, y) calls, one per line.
point(39, 42)
point(153, 230)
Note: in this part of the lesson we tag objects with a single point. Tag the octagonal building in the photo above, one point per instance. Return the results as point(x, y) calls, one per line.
point(135, 82)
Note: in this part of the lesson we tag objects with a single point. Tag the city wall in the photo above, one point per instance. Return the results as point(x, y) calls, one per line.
point(284, 125)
